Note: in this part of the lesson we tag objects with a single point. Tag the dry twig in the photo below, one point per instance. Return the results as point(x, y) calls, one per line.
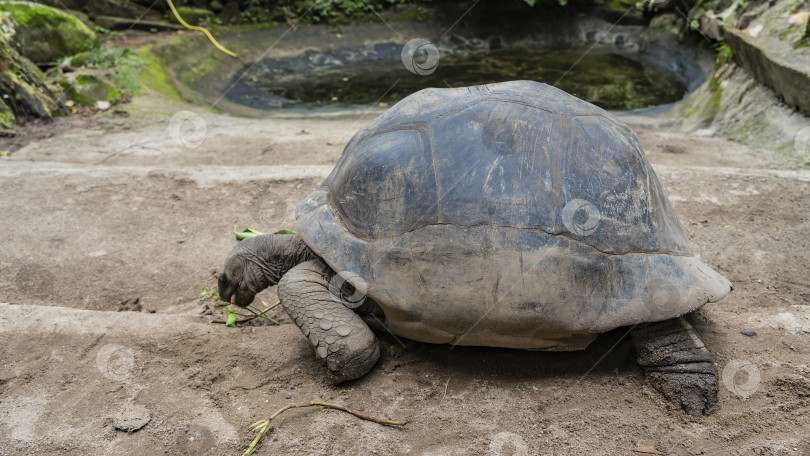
point(263, 425)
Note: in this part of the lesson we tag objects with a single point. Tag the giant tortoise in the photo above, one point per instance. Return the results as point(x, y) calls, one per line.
point(505, 215)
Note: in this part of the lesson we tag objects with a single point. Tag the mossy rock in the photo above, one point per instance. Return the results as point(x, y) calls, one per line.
point(24, 91)
point(81, 59)
point(625, 10)
point(193, 16)
point(133, 23)
point(88, 88)
point(667, 23)
point(48, 34)
point(7, 119)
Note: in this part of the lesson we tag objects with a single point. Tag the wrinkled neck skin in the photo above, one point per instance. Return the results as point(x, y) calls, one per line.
point(275, 254)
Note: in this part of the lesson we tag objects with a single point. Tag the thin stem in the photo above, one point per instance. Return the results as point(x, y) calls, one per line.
point(263, 425)
point(258, 314)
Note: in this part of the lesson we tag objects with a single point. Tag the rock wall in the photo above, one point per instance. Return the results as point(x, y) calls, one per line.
point(759, 91)
point(24, 91)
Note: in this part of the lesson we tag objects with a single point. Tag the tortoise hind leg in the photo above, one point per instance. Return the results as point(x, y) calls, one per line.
point(677, 364)
point(337, 334)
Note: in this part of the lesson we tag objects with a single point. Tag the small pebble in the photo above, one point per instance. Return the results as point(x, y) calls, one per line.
point(748, 333)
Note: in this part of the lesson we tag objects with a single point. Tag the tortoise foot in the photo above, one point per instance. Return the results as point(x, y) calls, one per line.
point(678, 365)
point(339, 337)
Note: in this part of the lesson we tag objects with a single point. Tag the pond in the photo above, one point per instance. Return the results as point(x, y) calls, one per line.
point(602, 76)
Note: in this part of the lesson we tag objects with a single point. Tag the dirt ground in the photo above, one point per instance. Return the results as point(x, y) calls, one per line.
point(112, 225)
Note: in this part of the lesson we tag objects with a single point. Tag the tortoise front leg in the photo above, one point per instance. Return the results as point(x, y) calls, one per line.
point(337, 334)
point(677, 364)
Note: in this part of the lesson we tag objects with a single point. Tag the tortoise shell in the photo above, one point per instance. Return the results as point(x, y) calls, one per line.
point(509, 214)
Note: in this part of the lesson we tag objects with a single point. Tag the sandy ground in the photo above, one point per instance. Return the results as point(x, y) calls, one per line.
point(112, 225)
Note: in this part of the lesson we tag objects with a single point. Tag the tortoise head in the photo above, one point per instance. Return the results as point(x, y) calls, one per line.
point(244, 273)
point(257, 263)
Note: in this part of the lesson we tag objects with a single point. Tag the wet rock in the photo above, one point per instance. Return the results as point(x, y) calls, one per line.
point(468, 43)
point(48, 34)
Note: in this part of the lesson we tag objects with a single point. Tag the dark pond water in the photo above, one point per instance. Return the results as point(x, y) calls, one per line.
point(607, 79)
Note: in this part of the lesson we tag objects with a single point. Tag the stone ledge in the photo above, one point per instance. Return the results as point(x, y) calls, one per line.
point(780, 70)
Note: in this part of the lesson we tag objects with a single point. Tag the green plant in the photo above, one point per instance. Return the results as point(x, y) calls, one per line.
point(724, 51)
point(103, 31)
point(124, 63)
point(724, 55)
point(250, 232)
point(230, 314)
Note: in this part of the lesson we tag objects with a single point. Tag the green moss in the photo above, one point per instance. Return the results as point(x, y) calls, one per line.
point(48, 33)
point(717, 96)
point(41, 101)
point(81, 59)
point(724, 54)
point(714, 84)
point(153, 76)
point(193, 16)
point(203, 67)
point(786, 33)
point(6, 116)
point(618, 6)
point(27, 92)
point(418, 14)
point(124, 64)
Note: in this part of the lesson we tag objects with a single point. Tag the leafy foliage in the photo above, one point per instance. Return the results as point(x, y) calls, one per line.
point(332, 11)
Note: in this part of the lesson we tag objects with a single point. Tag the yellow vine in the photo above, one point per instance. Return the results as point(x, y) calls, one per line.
point(202, 29)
